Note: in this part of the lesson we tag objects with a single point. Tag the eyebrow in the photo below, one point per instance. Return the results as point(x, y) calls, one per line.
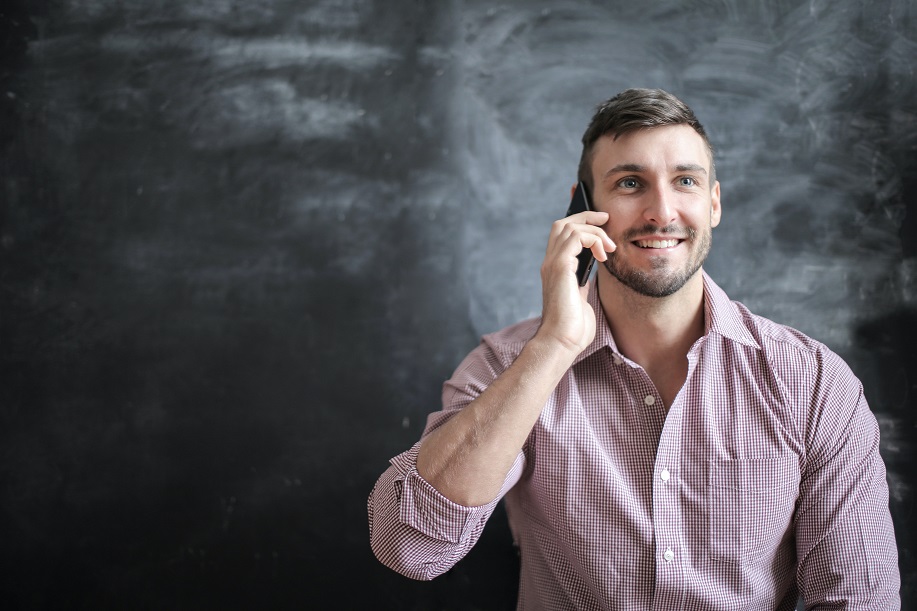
point(633, 167)
point(690, 167)
point(625, 167)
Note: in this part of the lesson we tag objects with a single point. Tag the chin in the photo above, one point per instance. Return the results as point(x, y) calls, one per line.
point(651, 284)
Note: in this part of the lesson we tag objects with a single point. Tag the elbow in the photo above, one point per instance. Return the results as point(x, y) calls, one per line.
point(394, 544)
point(401, 546)
point(403, 559)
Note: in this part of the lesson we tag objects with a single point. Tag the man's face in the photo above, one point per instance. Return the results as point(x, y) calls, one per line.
point(654, 185)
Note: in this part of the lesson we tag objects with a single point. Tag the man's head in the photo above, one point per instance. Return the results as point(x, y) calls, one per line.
point(635, 109)
point(648, 163)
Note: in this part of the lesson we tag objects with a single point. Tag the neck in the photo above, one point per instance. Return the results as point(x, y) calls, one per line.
point(653, 330)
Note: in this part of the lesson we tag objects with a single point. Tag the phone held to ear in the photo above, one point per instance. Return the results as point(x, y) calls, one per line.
point(586, 260)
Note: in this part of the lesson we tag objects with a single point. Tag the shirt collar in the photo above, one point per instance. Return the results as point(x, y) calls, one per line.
point(603, 335)
point(720, 317)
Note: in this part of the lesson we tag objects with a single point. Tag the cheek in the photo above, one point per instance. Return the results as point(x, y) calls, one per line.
point(618, 221)
point(613, 231)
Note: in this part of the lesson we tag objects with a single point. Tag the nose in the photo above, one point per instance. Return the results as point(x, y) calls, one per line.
point(660, 206)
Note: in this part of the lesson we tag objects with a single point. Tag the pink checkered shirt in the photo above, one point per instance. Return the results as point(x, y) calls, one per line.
point(761, 483)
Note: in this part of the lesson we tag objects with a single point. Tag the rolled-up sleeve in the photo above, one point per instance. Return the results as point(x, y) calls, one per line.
point(414, 529)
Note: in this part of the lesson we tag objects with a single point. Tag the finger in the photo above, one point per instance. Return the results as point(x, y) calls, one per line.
point(592, 237)
point(599, 245)
point(589, 217)
point(564, 251)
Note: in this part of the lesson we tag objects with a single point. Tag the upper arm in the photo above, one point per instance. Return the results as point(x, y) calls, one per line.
point(844, 535)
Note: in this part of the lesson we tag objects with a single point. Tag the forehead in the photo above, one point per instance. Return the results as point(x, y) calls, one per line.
point(655, 148)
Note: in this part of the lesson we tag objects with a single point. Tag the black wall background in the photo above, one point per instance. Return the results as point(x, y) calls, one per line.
point(243, 243)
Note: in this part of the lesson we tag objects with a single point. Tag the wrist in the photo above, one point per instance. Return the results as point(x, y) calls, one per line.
point(552, 349)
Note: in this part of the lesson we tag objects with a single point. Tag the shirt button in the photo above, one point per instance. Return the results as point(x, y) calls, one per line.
point(617, 359)
point(669, 555)
point(664, 475)
point(649, 400)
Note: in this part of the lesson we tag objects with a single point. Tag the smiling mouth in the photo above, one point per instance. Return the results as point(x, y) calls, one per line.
point(656, 243)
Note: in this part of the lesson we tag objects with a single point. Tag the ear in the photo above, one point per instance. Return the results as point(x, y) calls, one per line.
point(715, 210)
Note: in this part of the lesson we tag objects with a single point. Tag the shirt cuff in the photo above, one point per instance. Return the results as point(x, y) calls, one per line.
point(424, 509)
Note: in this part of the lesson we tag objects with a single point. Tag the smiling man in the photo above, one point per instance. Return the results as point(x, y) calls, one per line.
point(658, 446)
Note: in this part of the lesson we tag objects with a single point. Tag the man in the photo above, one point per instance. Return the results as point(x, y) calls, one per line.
point(658, 446)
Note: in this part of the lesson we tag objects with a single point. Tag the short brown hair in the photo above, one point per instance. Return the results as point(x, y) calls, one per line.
point(635, 109)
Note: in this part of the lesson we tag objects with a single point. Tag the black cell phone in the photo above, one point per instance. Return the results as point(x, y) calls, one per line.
point(580, 203)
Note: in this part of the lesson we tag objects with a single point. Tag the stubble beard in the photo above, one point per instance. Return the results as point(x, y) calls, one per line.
point(657, 283)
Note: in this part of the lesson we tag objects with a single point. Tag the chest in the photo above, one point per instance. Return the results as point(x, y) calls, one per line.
point(669, 378)
point(607, 451)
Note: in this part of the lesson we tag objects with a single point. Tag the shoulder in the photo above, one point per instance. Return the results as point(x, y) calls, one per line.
point(507, 343)
point(794, 356)
point(798, 364)
point(776, 338)
point(494, 354)
point(818, 390)
point(740, 326)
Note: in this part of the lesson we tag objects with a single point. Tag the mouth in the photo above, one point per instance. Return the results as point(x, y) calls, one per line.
point(657, 244)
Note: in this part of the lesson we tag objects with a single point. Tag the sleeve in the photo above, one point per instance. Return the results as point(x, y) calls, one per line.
point(414, 529)
point(845, 540)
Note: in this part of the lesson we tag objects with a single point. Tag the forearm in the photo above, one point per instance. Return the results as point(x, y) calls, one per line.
point(467, 459)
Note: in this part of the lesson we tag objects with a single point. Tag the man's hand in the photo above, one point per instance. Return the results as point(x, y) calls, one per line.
point(567, 316)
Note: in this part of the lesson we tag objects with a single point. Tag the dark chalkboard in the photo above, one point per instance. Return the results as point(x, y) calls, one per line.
point(243, 243)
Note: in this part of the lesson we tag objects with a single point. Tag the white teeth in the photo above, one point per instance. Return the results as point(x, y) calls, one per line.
point(656, 243)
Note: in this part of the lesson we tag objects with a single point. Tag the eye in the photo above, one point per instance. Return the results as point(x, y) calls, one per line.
point(687, 181)
point(628, 183)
